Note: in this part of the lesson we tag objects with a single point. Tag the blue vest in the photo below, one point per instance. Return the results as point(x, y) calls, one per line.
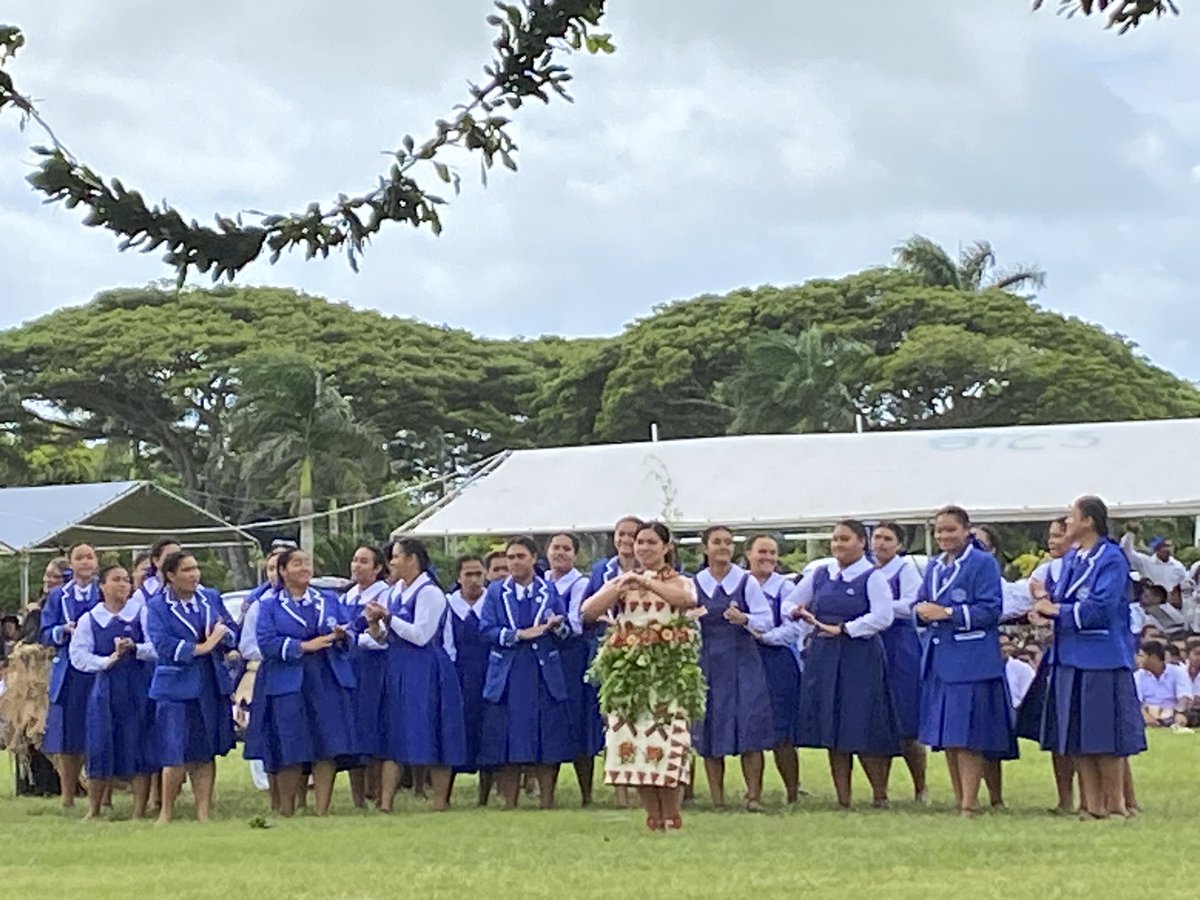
point(104, 641)
point(60, 608)
point(965, 647)
point(503, 613)
point(178, 672)
point(836, 601)
point(1094, 592)
point(283, 624)
point(713, 627)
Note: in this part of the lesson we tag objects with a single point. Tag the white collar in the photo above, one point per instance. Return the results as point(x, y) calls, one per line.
point(461, 607)
point(360, 596)
point(129, 612)
point(774, 585)
point(407, 591)
point(708, 582)
point(894, 565)
point(566, 582)
point(851, 571)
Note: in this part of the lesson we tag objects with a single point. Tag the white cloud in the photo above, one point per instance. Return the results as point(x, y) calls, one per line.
point(723, 145)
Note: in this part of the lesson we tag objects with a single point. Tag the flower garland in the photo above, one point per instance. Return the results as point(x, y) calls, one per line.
point(641, 669)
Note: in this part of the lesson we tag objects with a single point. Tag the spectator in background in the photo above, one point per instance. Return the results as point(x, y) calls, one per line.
point(1159, 610)
point(10, 634)
point(1163, 690)
point(1174, 653)
point(1019, 670)
point(1158, 566)
point(1193, 674)
point(496, 564)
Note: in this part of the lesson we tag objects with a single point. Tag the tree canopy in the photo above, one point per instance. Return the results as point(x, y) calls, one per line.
point(165, 373)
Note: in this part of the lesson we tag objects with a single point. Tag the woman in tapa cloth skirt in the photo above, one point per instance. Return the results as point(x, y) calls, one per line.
point(966, 708)
point(902, 647)
point(845, 701)
point(779, 647)
point(1092, 714)
point(648, 743)
point(109, 643)
point(737, 717)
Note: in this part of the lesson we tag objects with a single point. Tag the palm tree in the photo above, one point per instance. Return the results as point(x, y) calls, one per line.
point(975, 270)
point(794, 383)
point(291, 422)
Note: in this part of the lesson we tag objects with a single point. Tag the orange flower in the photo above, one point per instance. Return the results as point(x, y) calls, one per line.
point(668, 634)
point(627, 751)
point(654, 754)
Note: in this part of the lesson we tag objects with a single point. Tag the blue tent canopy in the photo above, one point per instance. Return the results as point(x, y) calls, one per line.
point(119, 515)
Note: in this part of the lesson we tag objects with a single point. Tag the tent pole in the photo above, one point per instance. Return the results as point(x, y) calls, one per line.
point(929, 539)
point(24, 580)
point(1196, 531)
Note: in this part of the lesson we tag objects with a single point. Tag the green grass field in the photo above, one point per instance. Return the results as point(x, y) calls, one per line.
point(811, 850)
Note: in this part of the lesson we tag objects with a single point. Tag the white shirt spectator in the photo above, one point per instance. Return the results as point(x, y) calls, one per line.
point(1020, 676)
point(1168, 575)
point(1169, 691)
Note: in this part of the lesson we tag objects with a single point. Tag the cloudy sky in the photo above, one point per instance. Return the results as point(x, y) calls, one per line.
point(719, 148)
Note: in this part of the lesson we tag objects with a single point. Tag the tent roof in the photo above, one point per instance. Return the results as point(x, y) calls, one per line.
point(56, 516)
point(772, 481)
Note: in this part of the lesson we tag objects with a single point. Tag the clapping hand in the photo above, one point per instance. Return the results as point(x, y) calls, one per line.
point(931, 612)
point(123, 645)
point(734, 616)
point(1046, 607)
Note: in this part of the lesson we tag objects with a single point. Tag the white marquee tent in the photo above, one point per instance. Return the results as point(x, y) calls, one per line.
point(779, 481)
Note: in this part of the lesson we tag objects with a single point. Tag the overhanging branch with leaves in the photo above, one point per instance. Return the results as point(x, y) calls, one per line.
point(530, 38)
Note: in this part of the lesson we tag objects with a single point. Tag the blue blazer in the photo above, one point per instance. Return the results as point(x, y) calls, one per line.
point(60, 608)
point(965, 647)
point(498, 625)
point(178, 672)
point(1094, 592)
point(282, 627)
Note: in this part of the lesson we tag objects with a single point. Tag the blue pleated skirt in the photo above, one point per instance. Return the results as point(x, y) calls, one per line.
point(973, 715)
point(313, 724)
point(196, 731)
point(783, 684)
point(845, 698)
point(737, 717)
point(1092, 712)
point(583, 701)
point(527, 726)
point(121, 740)
point(370, 677)
point(66, 718)
point(253, 743)
point(902, 648)
point(472, 672)
point(423, 715)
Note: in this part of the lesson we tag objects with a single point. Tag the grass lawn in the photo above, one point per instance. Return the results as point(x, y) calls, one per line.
point(811, 850)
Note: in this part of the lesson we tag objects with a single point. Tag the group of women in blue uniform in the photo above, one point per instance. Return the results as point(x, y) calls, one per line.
point(862, 656)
